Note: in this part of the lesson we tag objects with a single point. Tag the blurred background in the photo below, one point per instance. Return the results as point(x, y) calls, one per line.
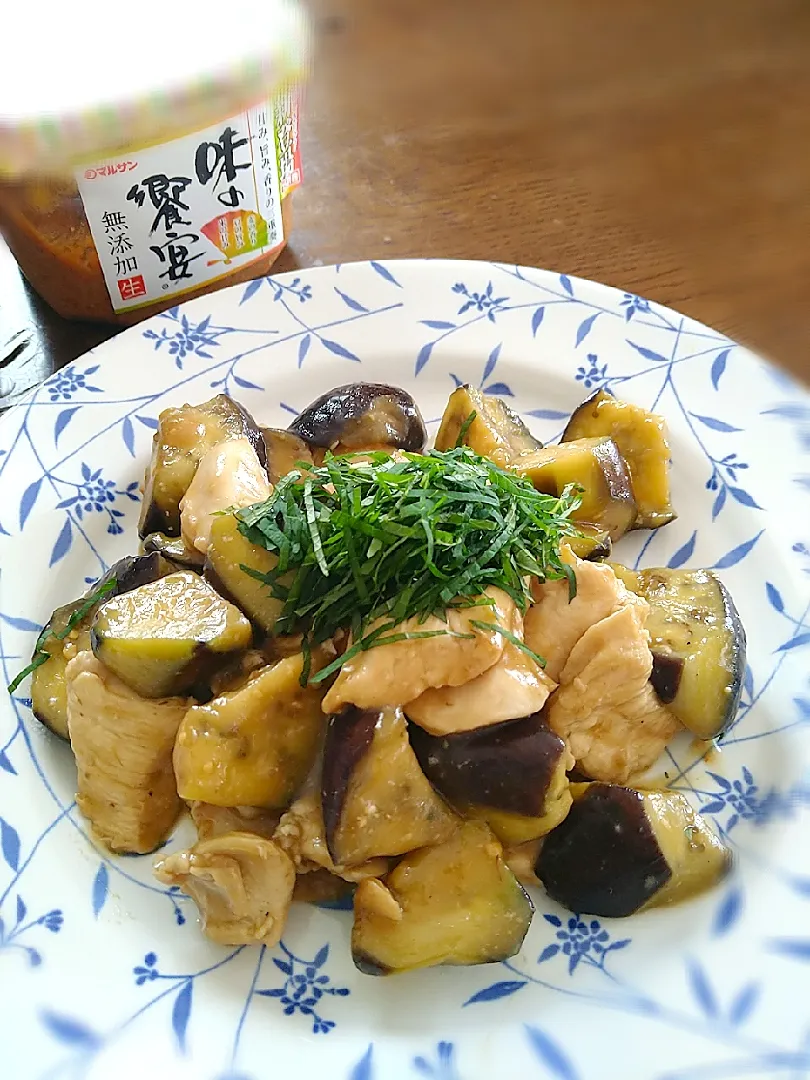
point(663, 148)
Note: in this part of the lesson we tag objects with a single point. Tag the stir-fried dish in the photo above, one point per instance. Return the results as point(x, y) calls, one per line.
point(407, 675)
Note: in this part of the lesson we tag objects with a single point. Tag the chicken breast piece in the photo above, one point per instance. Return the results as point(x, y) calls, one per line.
point(515, 686)
point(301, 834)
point(123, 746)
point(390, 675)
point(241, 883)
point(229, 475)
point(315, 886)
point(553, 626)
point(605, 707)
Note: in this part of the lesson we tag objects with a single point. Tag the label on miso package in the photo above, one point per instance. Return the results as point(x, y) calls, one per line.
point(172, 217)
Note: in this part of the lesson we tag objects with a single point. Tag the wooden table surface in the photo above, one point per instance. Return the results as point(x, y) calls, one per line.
point(663, 148)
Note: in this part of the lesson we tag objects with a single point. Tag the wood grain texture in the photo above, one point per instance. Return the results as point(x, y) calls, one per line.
point(663, 148)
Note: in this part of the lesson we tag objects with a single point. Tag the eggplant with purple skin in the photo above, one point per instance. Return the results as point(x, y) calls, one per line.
point(698, 644)
point(641, 437)
point(174, 549)
point(522, 859)
point(285, 450)
point(48, 689)
point(362, 416)
point(182, 439)
point(590, 542)
point(375, 798)
point(512, 775)
point(494, 430)
point(620, 850)
point(162, 638)
point(456, 903)
point(595, 465)
point(323, 889)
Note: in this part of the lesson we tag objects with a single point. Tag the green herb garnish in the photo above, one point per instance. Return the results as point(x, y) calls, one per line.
point(375, 539)
point(465, 427)
point(41, 655)
point(510, 637)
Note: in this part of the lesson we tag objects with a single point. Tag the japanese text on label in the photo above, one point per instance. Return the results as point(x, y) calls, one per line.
point(173, 217)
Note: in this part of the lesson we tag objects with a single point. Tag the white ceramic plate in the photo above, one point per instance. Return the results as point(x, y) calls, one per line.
point(103, 973)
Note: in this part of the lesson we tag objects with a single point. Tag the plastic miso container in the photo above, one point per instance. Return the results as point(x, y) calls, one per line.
point(148, 153)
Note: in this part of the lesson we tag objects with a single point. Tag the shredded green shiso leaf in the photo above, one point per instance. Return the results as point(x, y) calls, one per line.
point(378, 539)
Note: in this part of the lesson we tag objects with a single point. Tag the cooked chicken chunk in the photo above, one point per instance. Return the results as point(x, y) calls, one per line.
point(313, 887)
point(241, 883)
point(229, 475)
point(605, 707)
point(214, 821)
point(301, 834)
point(123, 746)
point(398, 673)
point(553, 626)
point(515, 686)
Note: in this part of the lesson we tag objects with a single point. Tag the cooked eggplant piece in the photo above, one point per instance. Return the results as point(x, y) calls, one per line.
point(522, 860)
point(253, 746)
point(183, 437)
point(241, 883)
point(233, 675)
point(320, 887)
point(591, 543)
point(280, 646)
point(175, 550)
point(362, 416)
point(514, 686)
point(642, 441)
point(390, 674)
point(48, 693)
point(599, 469)
point(513, 829)
point(605, 708)
point(698, 645)
point(620, 850)
point(123, 746)
point(160, 638)
point(284, 451)
point(457, 903)
point(211, 820)
point(513, 775)
point(231, 563)
point(665, 677)
point(132, 572)
point(495, 432)
point(376, 800)
point(228, 477)
point(302, 835)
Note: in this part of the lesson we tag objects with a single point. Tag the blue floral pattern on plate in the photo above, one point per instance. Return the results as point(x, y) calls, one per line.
point(109, 969)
